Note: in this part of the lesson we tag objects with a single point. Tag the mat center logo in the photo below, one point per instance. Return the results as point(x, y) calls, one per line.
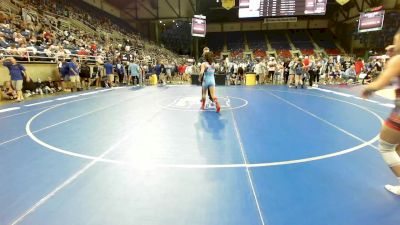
point(193, 102)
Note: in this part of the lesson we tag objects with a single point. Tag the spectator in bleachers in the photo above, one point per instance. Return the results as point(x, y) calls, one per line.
point(7, 92)
point(3, 42)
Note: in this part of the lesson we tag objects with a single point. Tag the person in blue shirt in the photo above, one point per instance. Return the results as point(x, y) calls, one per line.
point(135, 73)
point(160, 72)
point(74, 78)
point(108, 66)
point(17, 73)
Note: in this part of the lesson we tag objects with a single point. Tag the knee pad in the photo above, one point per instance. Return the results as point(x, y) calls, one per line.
point(389, 154)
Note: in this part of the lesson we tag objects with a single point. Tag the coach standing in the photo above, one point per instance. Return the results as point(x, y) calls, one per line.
point(17, 73)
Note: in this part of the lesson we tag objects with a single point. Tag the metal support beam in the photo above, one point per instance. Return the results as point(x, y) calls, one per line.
point(158, 8)
point(173, 10)
point(179, 8)
point(192, 6)
point(136, 6)
point(358, 6)
point(148, 10)
point(343, 13)
point(166, 18)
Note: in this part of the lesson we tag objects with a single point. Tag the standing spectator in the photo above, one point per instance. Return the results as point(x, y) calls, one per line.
point(96, 74)
point(85, 75)
point(258, 71)
point(73, 68)
point(271, 69)
point(17, 73)
point(63, 70)
point(286, 71)
point(313, 70)
point(120, 68)
point(299, 70)
point(109, 73)
point(135, 73)
point(292, 71)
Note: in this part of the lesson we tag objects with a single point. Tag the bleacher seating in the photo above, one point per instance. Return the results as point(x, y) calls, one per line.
point(278, 40)
point(99, 14)
point(323, 38)
point(256, 40)
point(235, 41)
point(215, 41)
point(284, 53)
point(307, 51)
point(259, 53)
point(237, 54)
point(300, 39)
point(333, 51)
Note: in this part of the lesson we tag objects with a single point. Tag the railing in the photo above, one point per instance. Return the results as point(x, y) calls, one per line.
point(42, 57)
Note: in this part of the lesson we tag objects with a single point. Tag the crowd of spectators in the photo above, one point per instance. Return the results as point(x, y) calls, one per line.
point(302, 71)
point(37, 32)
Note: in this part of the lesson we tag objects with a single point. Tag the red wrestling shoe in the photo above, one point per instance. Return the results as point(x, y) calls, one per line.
point(217, 105)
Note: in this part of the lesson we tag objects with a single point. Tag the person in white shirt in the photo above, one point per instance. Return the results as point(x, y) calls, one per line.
point(271, 69)
point(258, 71)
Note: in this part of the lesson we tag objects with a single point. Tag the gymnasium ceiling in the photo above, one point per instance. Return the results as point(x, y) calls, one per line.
point(135, 10)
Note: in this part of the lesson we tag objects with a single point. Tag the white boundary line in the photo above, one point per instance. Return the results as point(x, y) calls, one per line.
point(38, 103)
point(64, 121)
point(329, 97)
point(321, 119)
point(215, 166)
point(80, 172)
point(67, 182)
point(28, 111)
point(68, 97)
point(9, 109)
point(353, 96)
point(249, 175)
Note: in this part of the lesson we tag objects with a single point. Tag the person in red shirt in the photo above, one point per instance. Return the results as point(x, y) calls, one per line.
point(306, 61)
point(47, 36)
point(82, 52)
point(93, 47)
point(359, 66)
